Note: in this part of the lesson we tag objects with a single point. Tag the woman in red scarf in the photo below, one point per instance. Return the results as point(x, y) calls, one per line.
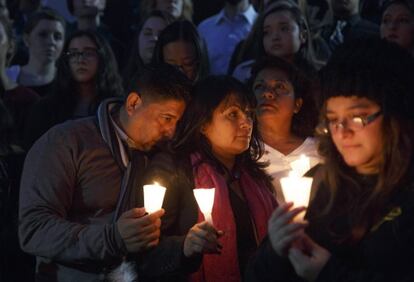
point(216, 145)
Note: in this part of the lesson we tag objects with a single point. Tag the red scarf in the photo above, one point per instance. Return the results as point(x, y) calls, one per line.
point(261, 203)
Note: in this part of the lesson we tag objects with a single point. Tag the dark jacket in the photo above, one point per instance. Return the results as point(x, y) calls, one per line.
point(181, 214)
point(384, 254)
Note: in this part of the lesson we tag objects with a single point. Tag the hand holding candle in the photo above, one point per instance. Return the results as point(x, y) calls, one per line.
point(205, 201)
point(295, 188)
point(153, 197)
point(301, 165)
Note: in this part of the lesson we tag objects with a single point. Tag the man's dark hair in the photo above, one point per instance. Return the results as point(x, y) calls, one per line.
point(43, 14)
point(161, 82)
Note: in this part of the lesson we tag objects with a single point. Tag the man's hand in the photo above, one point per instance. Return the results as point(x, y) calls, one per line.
point(202, 238)
point(139, 230)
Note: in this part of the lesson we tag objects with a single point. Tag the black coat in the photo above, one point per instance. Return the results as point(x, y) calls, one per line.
point(384, 254)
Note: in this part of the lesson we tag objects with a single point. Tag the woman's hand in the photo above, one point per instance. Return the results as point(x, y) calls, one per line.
point(309, 261)
point(202, 238)
point(282, 230)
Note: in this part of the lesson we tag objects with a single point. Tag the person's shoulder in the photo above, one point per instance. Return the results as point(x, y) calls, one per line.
point(21, 94)
point(366, 26)
point(72, 130)
point(209, 22)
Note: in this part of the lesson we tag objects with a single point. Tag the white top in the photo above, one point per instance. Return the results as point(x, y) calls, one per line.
point(279, 164)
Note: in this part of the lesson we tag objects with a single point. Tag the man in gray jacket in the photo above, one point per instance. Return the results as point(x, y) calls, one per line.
point(81, 200)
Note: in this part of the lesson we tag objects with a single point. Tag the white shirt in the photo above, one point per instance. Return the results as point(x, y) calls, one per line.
point(279, 164)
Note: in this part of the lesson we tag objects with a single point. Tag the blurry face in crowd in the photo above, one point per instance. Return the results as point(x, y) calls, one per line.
point(172, 7)
point(45, 42)
point(84, 8)
point(345, 8)
point(148, 37)
point(275, 96)
point(361, 148)
point(281, 35)
point(152, 121)
point(4, 43)
point(397, 25)
point(83, 59)
point(4, 12)
point(181, 54)
point(230, 129)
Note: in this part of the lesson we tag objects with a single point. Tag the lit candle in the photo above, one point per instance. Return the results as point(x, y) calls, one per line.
point(301, 165)
point(153, 197)
point(205, 201)
point(297, 189)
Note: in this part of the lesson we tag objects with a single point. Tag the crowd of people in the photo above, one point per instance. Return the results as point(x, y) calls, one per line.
point(97, 101)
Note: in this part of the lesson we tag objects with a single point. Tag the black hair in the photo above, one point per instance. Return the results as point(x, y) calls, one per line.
point(305, 121)
point(135, 63)
point(305, 57)
point(208, 94)
point(186, 31)
point(160, 82)
point(108, 81)
point(409, 4)
point(43, 14)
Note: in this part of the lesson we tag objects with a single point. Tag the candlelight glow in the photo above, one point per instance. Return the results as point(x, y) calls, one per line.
point(153, 197)
point(205, 200)
point(301, 165)
point(297, 190)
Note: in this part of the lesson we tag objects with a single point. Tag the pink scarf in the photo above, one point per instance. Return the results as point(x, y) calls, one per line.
point(261, 203)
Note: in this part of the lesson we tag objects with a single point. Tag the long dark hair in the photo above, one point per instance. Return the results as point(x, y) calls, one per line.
point(305, 121)
point(381, 72)
point(108, 81)
point(135, 63)
point(184, 30)
point(207, 96)
point(305, 57)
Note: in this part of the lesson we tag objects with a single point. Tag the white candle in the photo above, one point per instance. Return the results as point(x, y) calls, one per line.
point(153, 197)
point(301, 165)
point(205, 201)
point(297, 190)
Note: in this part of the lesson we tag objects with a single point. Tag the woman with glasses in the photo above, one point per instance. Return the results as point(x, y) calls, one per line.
point(216, 145)
point(87, 74)
point(360, 225)
point(286, 114)
point(179, 44)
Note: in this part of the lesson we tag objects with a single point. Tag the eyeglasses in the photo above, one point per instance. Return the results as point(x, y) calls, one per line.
point(87, 55)
point(356, 123)
point(281, 88)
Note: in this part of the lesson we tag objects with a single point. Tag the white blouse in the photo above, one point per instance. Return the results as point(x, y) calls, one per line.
point(279, 164)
